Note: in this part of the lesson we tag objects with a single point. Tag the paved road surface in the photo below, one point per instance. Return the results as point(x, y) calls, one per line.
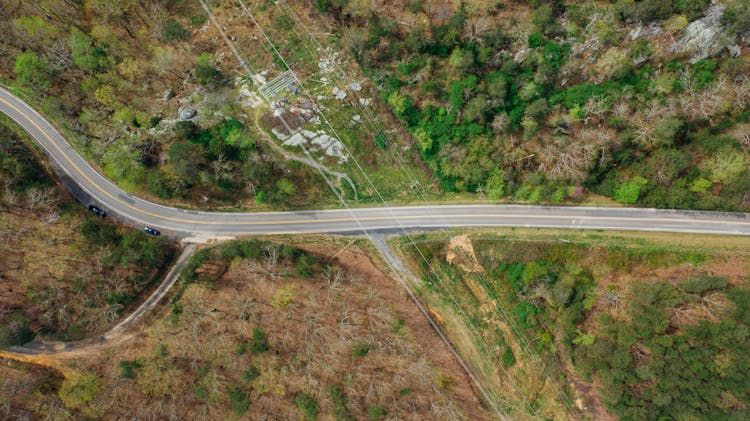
point(90, 187)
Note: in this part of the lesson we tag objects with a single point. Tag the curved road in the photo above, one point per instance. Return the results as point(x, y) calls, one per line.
point(91, 187)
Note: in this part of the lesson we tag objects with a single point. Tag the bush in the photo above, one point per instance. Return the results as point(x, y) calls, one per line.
point(339, 401)
point(250, 374)
point(205, 70)
point(259, 343)
point(535, 40)
point(79, 389)
point(32, 72)
point(173, 31)
point(376, 412)
point(703, 73)
point(15, 331)
point(360, 349)
point(692, 9)
point(128, 368)
point(495, 185)
point(306, 405)
point(628, 192)
point(508, 358)
point(537, 109)
point(736, 17)
point(156, 184)
point(238, 399)
point(703, 283)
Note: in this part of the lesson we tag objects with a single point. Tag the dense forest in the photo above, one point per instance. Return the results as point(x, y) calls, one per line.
point(544, 100)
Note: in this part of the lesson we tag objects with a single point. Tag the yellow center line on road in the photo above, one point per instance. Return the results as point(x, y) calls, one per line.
point(347, 219)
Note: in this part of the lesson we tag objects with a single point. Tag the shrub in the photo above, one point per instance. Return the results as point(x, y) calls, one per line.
point(238, 399)
point(736, 17)
point(628, 192)
point(360, 349)
point(205, 71)
point(508, 358)
point(259, 343)
point(692, 9)
point(703, 73)
point(376, 412)
point(703, 283)
point(726, 166)
point(700, 185)
point(156, 184)
point(339, 401)
point(128, 368)
point(495, 185)
point(32, 72)
point(307, 405)
point(537, 109)
point(535, 39)
point(15, 331)
point(173, 31)
point(250, 374)
point(79, 389)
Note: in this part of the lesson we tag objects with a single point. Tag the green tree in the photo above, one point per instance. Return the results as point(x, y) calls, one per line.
point(87, 55)
point(538, 109)
point(462, 60)
point(206, 71)
point(726, 166)
point(123, 163)
point(497, 86)
point(398, 102)
point(736, 17)
point(156, 184)
point(185, 158)
point(692, 9)
point(544, 19)
point(32, 72)
point(476, 109)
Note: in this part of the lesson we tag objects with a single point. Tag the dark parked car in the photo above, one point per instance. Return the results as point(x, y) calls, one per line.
point(97, 211)
point(151, 231)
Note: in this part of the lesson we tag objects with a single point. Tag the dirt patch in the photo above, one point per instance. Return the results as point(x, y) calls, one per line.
point(461, 253)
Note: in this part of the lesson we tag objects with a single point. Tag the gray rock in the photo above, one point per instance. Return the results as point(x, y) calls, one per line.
point(187, 113)
point(734, 50)
point(168, 94)
point(652, 30)
point(703, 37)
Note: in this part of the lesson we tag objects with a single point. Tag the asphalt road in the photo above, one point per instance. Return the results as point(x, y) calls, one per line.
point(91, 187)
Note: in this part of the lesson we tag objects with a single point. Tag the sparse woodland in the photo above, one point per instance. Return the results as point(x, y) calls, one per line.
point(64, 274)
point(260, 328)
